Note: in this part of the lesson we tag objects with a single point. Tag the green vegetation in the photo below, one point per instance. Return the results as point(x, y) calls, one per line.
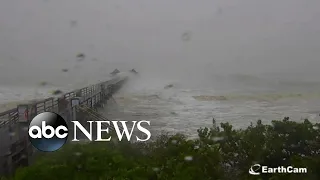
point(220, 152)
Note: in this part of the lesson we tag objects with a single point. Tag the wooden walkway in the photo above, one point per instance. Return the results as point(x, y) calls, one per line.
point(15, 147)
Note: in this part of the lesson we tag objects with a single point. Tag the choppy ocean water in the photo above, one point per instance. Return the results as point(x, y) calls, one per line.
point(185, 109)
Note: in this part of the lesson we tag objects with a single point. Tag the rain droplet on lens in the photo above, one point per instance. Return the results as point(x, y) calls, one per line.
point(12, 134)
point(56, 92)
point(43, 83)
point(217, 138)
point(174, 141)
point(173, 113)
point(188, 158)
point(155, 169)
point(186, 36)
point(73, 23)
point(80, 56)
point(79, 167)
point(114, 141)
point(25, 128)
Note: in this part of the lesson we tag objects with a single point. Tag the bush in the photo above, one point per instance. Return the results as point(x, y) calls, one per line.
point(220, 152)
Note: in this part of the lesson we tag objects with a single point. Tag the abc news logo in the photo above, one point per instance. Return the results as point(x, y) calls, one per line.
point(48, 131)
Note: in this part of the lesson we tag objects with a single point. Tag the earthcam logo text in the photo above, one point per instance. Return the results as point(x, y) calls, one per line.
point(48, 131)
point(258, 169)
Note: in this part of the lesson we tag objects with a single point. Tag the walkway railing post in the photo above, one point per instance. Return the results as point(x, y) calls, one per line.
point(74, 103)
point(33, 111)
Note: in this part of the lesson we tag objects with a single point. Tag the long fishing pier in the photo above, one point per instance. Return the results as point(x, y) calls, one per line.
point(15, 147)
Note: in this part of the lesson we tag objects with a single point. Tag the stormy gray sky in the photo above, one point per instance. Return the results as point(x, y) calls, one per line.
point(39, 37)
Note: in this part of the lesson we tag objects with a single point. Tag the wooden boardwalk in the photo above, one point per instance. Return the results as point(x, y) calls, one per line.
point(15, 147)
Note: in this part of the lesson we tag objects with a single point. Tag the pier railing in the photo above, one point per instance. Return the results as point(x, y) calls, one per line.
point(15, 147)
